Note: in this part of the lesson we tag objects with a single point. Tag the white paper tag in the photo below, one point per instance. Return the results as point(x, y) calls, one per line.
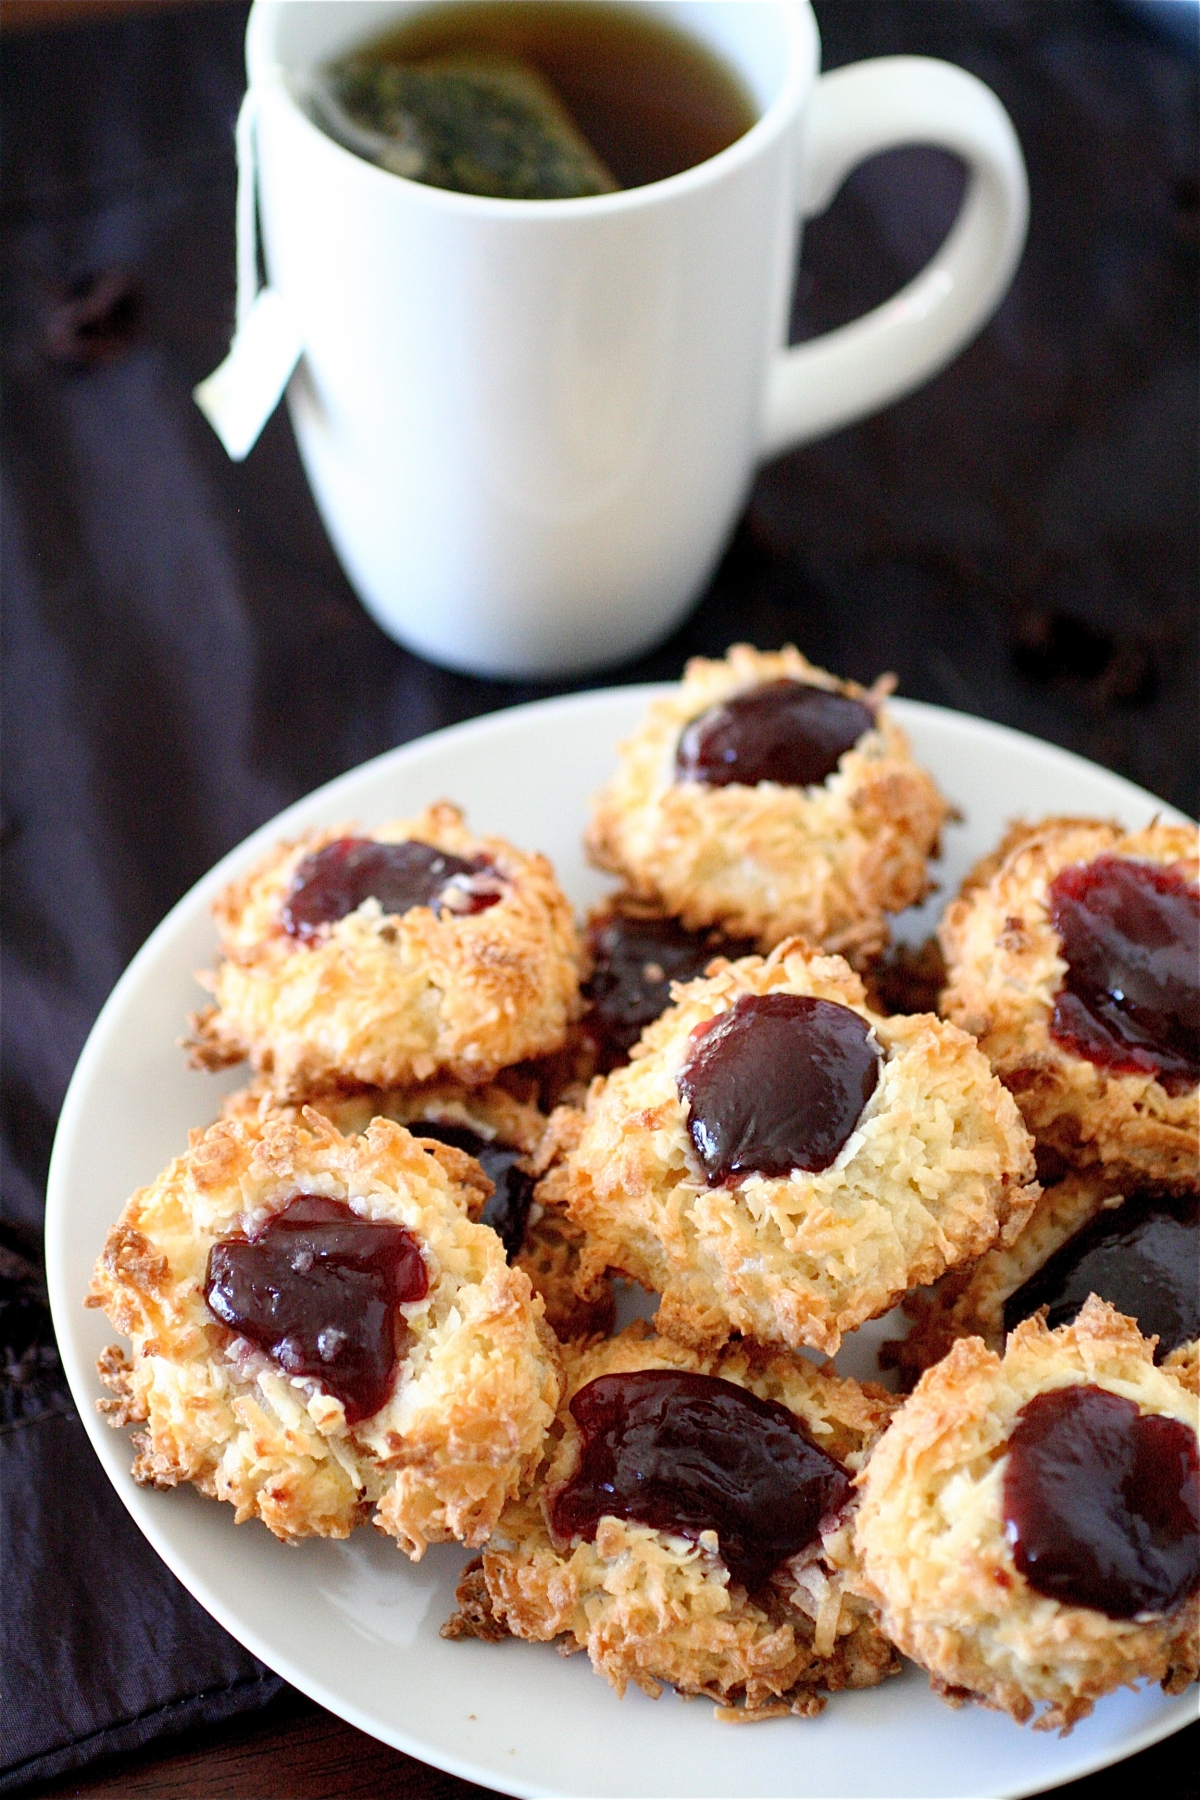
point(238, 398)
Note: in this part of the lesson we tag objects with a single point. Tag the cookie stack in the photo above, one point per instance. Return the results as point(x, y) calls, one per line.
point(382, 1286)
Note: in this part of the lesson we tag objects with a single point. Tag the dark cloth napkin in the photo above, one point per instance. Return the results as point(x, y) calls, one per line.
point(183, 656)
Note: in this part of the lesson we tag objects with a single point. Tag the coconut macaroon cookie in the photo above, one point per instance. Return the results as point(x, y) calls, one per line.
point(1029, 1527)
point(676, 1532)
point(1136, 1246)
point(1073, 955)
point(779, 1161)
point(320, 1333)
point(389, 958)
point(768, 798)
point(634, 953)
point(499, 1132)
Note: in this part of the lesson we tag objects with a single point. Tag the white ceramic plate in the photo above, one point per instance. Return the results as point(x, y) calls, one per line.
point(353, 1624)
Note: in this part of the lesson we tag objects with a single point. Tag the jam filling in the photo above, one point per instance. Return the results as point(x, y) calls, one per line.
point(785, 731)
point(507, 1212)
point(335, 881)
point(1102, 1503)
point(1143, 1257)
point(777, 1083)
point(687, 1453)
point(1130, 934)
point(317, 1289)
point(635, 961)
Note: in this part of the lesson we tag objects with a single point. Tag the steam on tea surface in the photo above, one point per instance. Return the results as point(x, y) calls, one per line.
point(533, 99)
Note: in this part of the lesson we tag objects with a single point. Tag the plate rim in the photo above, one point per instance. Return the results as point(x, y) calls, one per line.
point(111, 1451)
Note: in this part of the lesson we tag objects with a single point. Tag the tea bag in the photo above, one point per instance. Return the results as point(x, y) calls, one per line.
point(479, 124)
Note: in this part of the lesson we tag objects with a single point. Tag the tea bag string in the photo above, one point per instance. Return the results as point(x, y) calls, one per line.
point(238, 398)
point(247, 209)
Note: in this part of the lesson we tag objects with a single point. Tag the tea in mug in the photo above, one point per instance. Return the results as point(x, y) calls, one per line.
point(533, 99)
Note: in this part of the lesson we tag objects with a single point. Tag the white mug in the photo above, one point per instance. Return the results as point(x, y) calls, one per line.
point(530, 425)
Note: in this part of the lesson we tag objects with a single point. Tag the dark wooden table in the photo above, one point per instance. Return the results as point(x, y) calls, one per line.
point(183, 657)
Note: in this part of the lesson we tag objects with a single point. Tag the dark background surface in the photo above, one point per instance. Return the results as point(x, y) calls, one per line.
point(183, 656)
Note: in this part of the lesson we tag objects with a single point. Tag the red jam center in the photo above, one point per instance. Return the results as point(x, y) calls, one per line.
point(777, 1083)
point(634, 962)
point(1130, 934)
point(335, 881)
point(1143, 1257)
point(1102, 1503)
point(317, 1289)
point(785, 731)
point(690, 1453)
point(507, 1212)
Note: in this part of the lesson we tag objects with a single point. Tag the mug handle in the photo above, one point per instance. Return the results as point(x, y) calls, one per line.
point(842, 376)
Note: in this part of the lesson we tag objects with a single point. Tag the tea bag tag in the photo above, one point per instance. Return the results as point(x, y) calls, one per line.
point(238, 398)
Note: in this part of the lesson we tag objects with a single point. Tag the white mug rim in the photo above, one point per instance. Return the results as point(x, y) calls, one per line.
point(266, 73)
